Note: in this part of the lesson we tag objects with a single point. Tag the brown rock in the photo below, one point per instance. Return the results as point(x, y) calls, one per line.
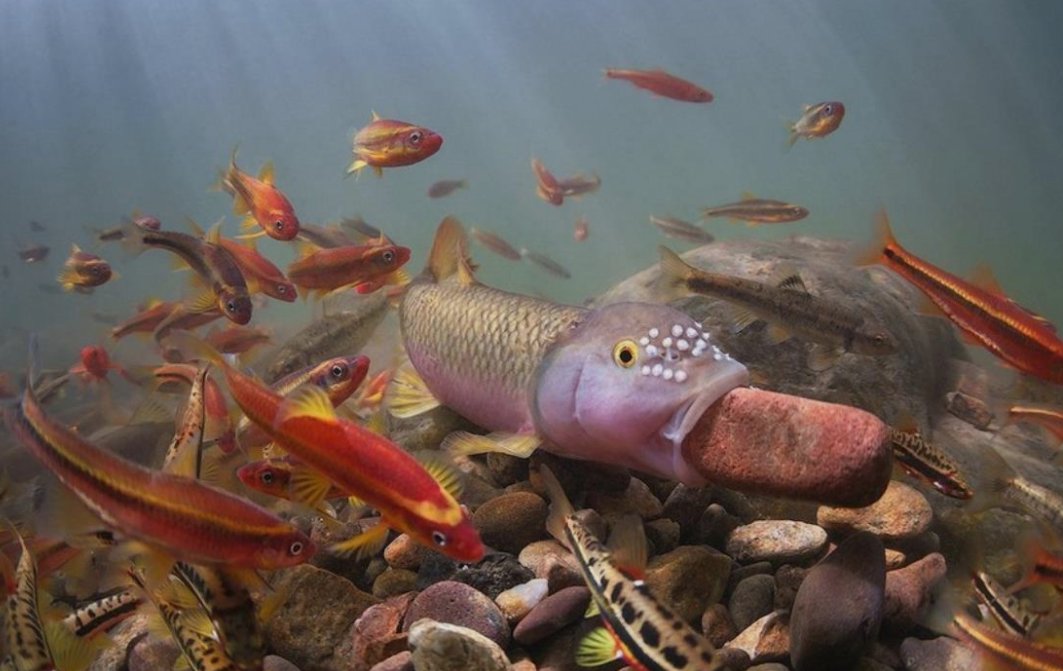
point(972, 410)
point(688, 579)
point(938, 654)
point(715, 525)
point(275, 663)
point(752, 599)
point(150, 653)
point(517, 602)
point(782, 445)
point(902, 553)
point(438, 646)
point(777, 541)
point(405, 553)
point(909, 591)
point(542, 556)
point(376, 635)
point(402, 661)
point(457, 603)
point(319, 611)
point(717, 625)
point(552, 614)
point(511, 521)
point(788, 580)
point(901, 513)
point(766, 640)
point(393, 582)
point(685, 505)
point(636, 499)
point(663, 534)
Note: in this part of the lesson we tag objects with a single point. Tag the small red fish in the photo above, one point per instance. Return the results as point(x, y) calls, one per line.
point(547, 186)
point(34, 253)
point(387, 143)
point(445, 187)
point(144, 321)
point(325, 270)
point(817, 121)
point(579, 185)
point(259, 272)
point(260, 201)
point(238, 339)
point(663, 84)
point(581, 229)
point(1023, 339)
point(280, 478)
point(94, 364)
point(83, 271)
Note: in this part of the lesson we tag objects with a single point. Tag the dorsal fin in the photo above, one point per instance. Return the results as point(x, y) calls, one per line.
point(786, 276)
point(266, 173)
point(748, 195)
point(194, 226)
point(449, 255)
point(982, 277)
point(627, 543)
point(213, 235)
point(376, 117)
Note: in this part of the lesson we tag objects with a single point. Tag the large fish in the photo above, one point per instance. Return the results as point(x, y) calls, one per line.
point(787, 306)
point(1025, 340)
point(622, 384)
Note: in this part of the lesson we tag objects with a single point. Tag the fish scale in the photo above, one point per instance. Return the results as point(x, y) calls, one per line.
point(481, 342)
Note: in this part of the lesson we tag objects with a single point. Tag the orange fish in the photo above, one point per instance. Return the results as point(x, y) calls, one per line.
point(387, 143)
point(818, 121)
point(94, 364)
point(1047, 417)
point(83, 271)
point(144, 321)
point(181, 516)
point(260, 275)
point(581, 229)
point(663, 84)
point(980, 309)
point(324, 270)
point(261, 203)
point(547, 186)
point(412, 498)
point(281, 478)
point(238, 339)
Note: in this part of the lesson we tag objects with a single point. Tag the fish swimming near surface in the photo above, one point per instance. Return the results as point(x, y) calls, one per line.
point(579, 185)
point(637, 627)
point(326, 237)
point(496, 243)
point(209, 261)
point(581, 229)
point(681, 230)
point(622, 384)
point(985, 315)
point(138, 219)
point(817, 121)
point(83, 271)
point(546, 263)
point(34, 253)
point(663, 84)
point(786, 305)
point(388, 143)
point(445, 187)
point(180, 516)
point(754, 211)
point(547, 186)
point(259, 201)
point(335, 334)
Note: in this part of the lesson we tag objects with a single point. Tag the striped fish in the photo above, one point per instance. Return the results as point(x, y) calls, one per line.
point(1012, 615)
point(638, 628)
point(103, 613)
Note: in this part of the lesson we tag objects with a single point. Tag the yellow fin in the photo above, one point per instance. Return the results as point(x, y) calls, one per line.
point(68, 279)
point(592, 610)
point(883, 237)
point(69, 651)
point(213, 235)
point(307, 401)
point(365, 544)
point(356, 165)
point(674, 270)
point(821, 358)
point(983, 278)
point(449, 243)
point(462, 443)
point(197, 620)
point(248, 224)
point(376, 117)
point(408, 395)
point(627, 543)
point(194, 226)
point(596, 648)
point(309, 486)
point(178, 264)
point(240, 206)
point(266, 173)
point(741, 318)
point(777, 333)
point(203, 302)
point(560, 506)
point(443, 472)
point(748, 195)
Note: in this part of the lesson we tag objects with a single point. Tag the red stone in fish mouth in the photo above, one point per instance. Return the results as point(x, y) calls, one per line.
point(781, 445)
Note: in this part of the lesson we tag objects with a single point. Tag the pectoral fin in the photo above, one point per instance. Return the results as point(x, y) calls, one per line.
point(408, 395)
point(364, 544)
point(462, 443)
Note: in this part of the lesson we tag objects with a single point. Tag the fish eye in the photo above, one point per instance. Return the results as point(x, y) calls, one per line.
point(439, 538)
point(388, 256)
point(295, 549)
point(266, 477)
point(416, 137)
point(338, 371)
point(230, 306)
point(279, 225)
point(828, 109)
point(282, 290)
point(625, 353)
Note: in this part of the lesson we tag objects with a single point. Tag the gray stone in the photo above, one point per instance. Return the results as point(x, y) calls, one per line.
point(838, 609)
point(938, 654)
point(777, 541)
point(752, 599)
point(438, 646)
point(150, 653)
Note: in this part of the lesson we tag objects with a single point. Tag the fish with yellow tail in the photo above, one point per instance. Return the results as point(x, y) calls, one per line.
point(178, 515)
point(638, 628)
point(621, 384)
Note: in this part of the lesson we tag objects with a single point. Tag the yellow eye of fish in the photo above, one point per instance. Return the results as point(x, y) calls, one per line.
point(625, 353)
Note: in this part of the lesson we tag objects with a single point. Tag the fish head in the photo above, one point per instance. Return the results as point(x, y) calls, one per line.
point(147, 222)
point(281, 223)
point(235, 305)
point(265, 476)
point(97, 271)
point(280, 290)
point(873, 339)
point(340, 376)
point(95, 360)
point(458, 540)
point(628, 383)
point(420, 142)
point(289, 549)
point(386, 258)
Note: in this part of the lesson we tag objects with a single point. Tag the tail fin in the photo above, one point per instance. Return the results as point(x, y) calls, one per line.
point(883, 240)
point(560, 506)
point(674, 270)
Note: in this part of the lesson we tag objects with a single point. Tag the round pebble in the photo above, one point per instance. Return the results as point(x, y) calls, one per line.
point(752, 599)
point(902, 513)
point(689, 578)
point(511, 521)
point(438, 646)
point(457, 603)
point(909, 591)
point(777, 541)
point(405, 553)
point(552, 614)
point(516, 602)
point(393, 582)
